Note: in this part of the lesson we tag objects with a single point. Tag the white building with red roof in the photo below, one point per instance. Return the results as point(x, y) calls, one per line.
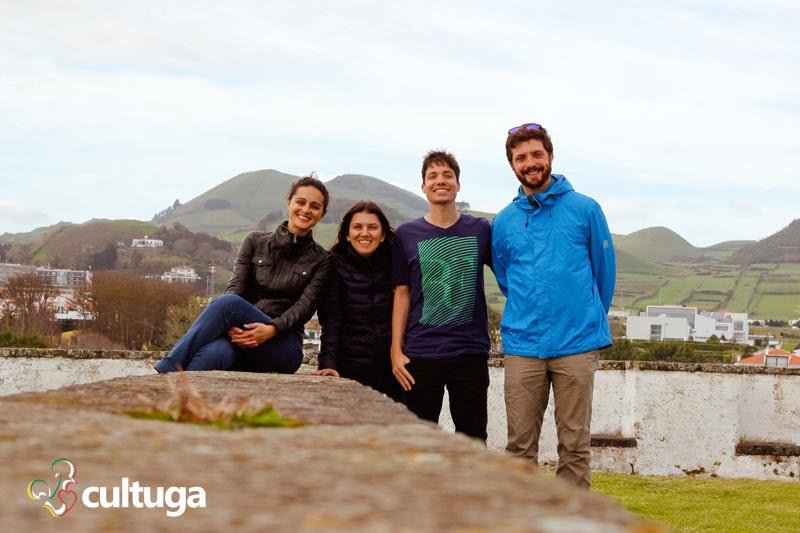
point(772, 357)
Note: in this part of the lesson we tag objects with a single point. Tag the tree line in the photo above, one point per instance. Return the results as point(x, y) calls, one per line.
point(122, 311)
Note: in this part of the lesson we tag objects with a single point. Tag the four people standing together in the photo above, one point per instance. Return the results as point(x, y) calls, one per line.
point(405, 312)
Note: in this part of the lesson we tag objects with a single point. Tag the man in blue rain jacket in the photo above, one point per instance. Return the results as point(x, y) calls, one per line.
point(554, 261)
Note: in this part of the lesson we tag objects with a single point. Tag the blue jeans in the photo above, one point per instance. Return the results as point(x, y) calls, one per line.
point(206, 345)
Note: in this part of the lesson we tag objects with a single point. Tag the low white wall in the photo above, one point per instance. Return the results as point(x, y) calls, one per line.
point(28, 370)
point(686, 419)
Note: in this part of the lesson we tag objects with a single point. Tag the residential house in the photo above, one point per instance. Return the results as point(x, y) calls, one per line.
point(312, 332)
point(182, 274)
point(772, 357)
point(147, 243)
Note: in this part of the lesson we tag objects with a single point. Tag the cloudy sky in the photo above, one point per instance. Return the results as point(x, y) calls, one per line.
point(683, 114)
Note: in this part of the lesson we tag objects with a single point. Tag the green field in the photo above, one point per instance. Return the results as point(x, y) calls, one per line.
point(703, 504)
point(776, 306)
point(788, 268)
point(762, 290)
point(743, 292)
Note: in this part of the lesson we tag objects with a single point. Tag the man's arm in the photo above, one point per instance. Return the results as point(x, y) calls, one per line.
point(498, 260)
point(400, 308)
point(602, 256)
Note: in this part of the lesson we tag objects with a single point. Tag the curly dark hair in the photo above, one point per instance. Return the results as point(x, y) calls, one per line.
point(523, 135)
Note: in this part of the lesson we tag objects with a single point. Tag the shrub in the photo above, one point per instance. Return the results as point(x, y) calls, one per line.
point(9, 340)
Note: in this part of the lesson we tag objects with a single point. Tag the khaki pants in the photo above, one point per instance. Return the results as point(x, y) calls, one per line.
point(527, 389)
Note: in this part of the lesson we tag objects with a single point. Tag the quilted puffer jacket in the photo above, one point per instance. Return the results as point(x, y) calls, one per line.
point(356, 316)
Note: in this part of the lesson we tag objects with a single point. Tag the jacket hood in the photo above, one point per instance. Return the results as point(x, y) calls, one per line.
point(559, 185)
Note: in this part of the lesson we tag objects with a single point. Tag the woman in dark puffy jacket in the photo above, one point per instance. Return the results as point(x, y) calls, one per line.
point(356, 315)
point(278, 278)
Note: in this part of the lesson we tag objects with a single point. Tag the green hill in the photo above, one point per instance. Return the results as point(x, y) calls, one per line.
point(69, 245)
point(242, 201)
point(30, 236)
point(629, 263)
point(781, 247)
point(238, 203)
point(657, 245)
point(349, 188)
point(729, 246)
point(723, 251)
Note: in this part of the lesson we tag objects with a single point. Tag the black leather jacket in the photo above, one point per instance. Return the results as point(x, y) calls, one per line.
point(281, 274)
point(356, 315)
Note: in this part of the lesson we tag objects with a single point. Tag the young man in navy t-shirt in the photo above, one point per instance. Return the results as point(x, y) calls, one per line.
point(440, 332)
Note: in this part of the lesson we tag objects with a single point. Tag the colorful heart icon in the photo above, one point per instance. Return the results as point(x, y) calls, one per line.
point(64, 498)
point(69, 498)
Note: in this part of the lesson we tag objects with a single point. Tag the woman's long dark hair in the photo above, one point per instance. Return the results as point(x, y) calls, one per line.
point(363, 206)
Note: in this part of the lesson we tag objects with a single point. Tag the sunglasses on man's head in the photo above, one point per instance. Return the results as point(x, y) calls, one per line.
point(529, 126)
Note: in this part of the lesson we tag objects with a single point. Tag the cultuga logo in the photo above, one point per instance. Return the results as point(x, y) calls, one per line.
point(60, 499)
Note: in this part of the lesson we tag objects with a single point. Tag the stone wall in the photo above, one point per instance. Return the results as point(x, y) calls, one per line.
point(649, 418)
point(27, 369)
point(359, 462)
point(656, 418)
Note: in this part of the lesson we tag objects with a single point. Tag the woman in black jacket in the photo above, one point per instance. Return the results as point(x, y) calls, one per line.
point(278, 277)
point(356, 315)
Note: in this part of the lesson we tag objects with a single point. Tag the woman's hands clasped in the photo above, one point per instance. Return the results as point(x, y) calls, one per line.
point(251, 335)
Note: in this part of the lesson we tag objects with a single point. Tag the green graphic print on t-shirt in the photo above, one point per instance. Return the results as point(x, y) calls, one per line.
point(449, 267)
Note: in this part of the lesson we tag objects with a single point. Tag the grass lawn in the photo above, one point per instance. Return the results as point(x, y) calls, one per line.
point(776, 306)
point(706, 504)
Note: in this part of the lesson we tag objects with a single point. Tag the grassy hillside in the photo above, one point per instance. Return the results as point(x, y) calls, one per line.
point(30, 236)
point(629, 263)
point(762, 290)
point(783, 246)
point(657, 245)
point(76, 240)
point(241, 202)
point(238, 203)
point(723, 251)
point(350, 188)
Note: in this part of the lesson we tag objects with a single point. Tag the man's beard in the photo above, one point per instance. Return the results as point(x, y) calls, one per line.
point(535, 184)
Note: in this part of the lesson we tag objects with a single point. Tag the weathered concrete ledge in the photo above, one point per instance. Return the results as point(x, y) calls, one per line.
point(74, 353)
point(363, 463)
point(650, 418)
point(712, 368)
point(494, 361)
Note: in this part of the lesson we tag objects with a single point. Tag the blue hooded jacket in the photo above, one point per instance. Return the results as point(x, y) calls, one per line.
point(554, 261)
